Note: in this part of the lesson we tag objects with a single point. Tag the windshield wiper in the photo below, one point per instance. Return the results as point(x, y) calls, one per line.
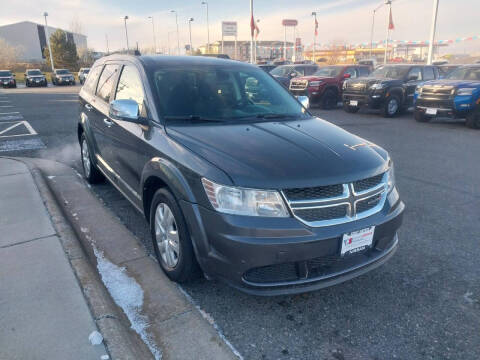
point(274, 116)
point(191, 118)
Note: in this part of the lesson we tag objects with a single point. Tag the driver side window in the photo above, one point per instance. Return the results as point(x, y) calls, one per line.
point(416, 71)
point(352, 72)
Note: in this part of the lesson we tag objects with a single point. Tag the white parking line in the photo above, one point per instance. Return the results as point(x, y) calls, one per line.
point(5, 101)
point(5, 106)
point(29, 128)
point(10, 113)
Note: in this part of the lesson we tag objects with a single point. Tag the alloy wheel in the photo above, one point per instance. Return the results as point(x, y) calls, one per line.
point(85, 158)
point(166, 235)
point(392, 106)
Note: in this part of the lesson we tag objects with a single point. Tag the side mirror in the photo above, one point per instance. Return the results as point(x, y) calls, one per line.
point(292, 74)
point(347, 76)
point(304, 101)
point(126, 110)
point(413, 78)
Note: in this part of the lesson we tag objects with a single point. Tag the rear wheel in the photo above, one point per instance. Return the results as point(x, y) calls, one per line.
point(329, 100)
point(392, 106)
point(473, 120)
point(90, 171)
point(420, 116)
point(171, 240)
point(350, 109)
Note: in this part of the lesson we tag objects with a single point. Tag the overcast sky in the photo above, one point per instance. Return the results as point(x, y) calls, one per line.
point(339, 20)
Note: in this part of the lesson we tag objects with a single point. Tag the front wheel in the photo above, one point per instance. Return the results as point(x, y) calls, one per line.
point(420, 116)
point(329, 100)
point(392, 106)
point(171, 240)
point(90, 171)
point(473, 120)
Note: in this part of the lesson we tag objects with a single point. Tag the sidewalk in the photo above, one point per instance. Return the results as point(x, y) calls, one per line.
point(43, 313)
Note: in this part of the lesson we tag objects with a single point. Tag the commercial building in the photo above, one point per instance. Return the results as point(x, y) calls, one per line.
point(31, 38)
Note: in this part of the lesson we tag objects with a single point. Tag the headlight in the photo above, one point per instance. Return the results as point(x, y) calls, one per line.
point(315, 83)
point(344, 86)
point(465, 91)
point(240, 201)
point(377, 86)
point(390, 177)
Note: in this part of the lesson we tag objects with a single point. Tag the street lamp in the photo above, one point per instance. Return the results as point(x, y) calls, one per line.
point(373, 26)
point(45, 14)
point(432, 32)
point(126, 32)
point(208, 28)
point(389, 3)
point(154, 38)
point(190, 31)
point(178, 38)
point(314, 14)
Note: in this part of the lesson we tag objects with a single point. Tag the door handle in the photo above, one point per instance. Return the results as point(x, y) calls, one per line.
point(88, 106)
point(107, 122)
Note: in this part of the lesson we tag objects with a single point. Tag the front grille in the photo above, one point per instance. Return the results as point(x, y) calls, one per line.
point(368, 204)
point(334, 204)
point(368, 183)
point(312, 193)
point(298, 84)
point(356, 87)
point(442, 92)
point(319, 214)
point(434, 103)
point(272, 273)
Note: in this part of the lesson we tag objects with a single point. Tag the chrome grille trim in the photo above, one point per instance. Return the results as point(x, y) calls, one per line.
point(349, 198)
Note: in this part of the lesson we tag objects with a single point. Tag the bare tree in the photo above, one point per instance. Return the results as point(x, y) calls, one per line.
point(76, 25)
point(85, 57)
point(9, 55)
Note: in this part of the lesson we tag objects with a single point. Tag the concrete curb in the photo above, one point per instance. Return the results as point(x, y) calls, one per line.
point(121, 342)
point(175, 324)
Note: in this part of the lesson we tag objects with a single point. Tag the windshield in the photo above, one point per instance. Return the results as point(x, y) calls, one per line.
point(390, 72)
point(86, 71)
point(63, 72)
point(282, 70)
point(465, 73)
point(328, 71)
point(223, 93)
point(5, 73)
point(34, 72)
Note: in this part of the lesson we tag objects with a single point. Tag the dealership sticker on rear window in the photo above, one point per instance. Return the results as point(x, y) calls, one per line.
point(357, 241)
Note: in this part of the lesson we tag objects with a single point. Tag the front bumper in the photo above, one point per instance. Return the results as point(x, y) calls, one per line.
point(37, 83)
point(66, 82)
point(452, 107)
point(372, 100)
point(8, 84)
point(314, 94)
point(273, 256)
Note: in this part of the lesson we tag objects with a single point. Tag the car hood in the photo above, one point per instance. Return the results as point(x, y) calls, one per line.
point(36, 76)
point(315, 78)
point(369, 81)
point(277, 155)
point(455, 83)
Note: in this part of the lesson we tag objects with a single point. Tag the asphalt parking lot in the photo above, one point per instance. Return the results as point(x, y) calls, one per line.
point(423, 304)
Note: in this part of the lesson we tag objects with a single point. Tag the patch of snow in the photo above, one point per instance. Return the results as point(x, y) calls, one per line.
point(51, 177)
point(211, 321)
point(468, 297)
point(127, 294)
point(95, 338)
point(104, 357)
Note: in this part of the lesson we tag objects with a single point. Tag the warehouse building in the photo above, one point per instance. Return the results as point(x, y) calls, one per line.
point(32, 39)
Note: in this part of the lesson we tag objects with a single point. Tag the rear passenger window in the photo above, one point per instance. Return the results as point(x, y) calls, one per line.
point(428, 73)
point(130, 87)
point(105, 84)
point(92, 78)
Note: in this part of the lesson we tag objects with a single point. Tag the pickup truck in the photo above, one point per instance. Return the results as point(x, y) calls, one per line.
point(455, 96)
point(389, 88)
point(324, 87)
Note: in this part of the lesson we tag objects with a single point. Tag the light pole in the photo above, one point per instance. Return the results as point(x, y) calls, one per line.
point(106, 38)
point(178, 36)
point(126, 32)
point(190, 32)
point(314, 14)
point(389, 3)
point(154, 38)
point(432, 32)
point(373, 27)
point(208, 28)
point(251, 32)
point(45, 14)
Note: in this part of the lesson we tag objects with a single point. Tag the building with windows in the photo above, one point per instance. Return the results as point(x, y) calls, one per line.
point(31, 39)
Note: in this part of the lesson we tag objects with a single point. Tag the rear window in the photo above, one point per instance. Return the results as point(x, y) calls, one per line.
point(363, 71)
point(91, 82)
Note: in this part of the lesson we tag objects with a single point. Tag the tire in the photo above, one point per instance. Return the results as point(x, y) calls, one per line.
point(473, 120)
point(350, 109)
point(90, 171)
point(329, 100)
point(392, 106)
point(173, 246)
point(420, 116)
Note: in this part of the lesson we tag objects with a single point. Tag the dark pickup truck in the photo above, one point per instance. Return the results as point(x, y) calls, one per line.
point(389, 88)
point(324, 87)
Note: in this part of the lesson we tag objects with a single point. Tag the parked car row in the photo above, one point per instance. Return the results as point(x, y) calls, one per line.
point(35, 77)
point(446, 90)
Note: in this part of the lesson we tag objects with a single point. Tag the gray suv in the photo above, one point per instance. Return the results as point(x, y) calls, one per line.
point(234, 176)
